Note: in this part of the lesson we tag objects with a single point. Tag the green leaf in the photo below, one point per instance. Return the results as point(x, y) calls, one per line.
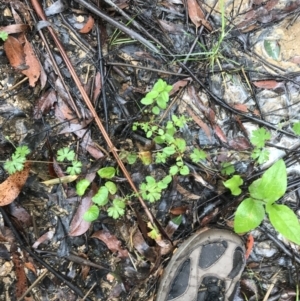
point(112, 187)
point(160, 157)
point(296, 128)
point(259, 137)
point(15, 164)
point(248, 215)
point(150, 190)
point(81, 186)
point(155, 110)
point(149, 134)
point(3, 35)
point(227, 168)
point(131, 158)
point(164, 95)
point(161, 102)
point(117, 209)
point(181, 144)
point(285, 222)
point(160, 85)
point(233, 184)
point(159, 139)
point(65, 153)
point(272, 185)
point(272, 48)
point(167, 179)
point(261, 155)
point(92, 214)
point(179, 121)
point(101, 197)
point(75, 169)
point(169, 150)
point(184, 170)
point(197, 155)
point(173, 170)
point(168, 88)
point(22, 150)
point(107, 172)
point(177, 220)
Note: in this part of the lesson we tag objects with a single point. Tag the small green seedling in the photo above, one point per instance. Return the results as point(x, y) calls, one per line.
point(264, 192)
point(159, 95)
point(67, 154)
point(296, 128)
point(154, 233)
point(151, 190)
point(258, 139)
point(227, 168)
point(234, 184)
point(3, 35)
point(18, 159)
point(198, 155)
point(103, 196)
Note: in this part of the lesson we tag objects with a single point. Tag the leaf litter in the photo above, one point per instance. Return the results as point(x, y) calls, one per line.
point(263, 92)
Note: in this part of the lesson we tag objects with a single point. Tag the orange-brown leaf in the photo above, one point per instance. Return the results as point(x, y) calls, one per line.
point(111, 241)
point(13, 185)
point(267, 84)
point(21, 284)
point(14, 52)
point(196, 14)
point(88, 25)
point(34, 70)
point(14, 28)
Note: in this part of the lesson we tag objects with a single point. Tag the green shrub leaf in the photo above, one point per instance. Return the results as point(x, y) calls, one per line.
point(107, 172)
point(112, 187)
point(272, 185)
point(173, 170)
point(259, 137)
point(248, 215)
point(296, 128)
point(155, 110)
point(92, 214)
point(169, 150)
point(160, 85)
point(233, 184)
point(272, 48)
point(101, 197)
point(184, 170)
point(81, 186)
point(285, 222)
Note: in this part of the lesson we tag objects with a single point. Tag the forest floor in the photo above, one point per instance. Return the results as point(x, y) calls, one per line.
point(126, 126)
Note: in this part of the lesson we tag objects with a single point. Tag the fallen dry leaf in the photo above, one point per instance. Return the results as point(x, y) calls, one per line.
point(186, 193)
point(179, 85)
point(21, 284)
point(267, 84)
point(44, 104)
point(111, 241)
point(34, 70)
point(12, 186)
point(142, 247)
point(46, 236)
point(220, 133)
point(88, 25)
point(98, 87)
point(14, 52)
point(78, 225)
point(202, 124)
point(14, 28)
point(196, 14)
